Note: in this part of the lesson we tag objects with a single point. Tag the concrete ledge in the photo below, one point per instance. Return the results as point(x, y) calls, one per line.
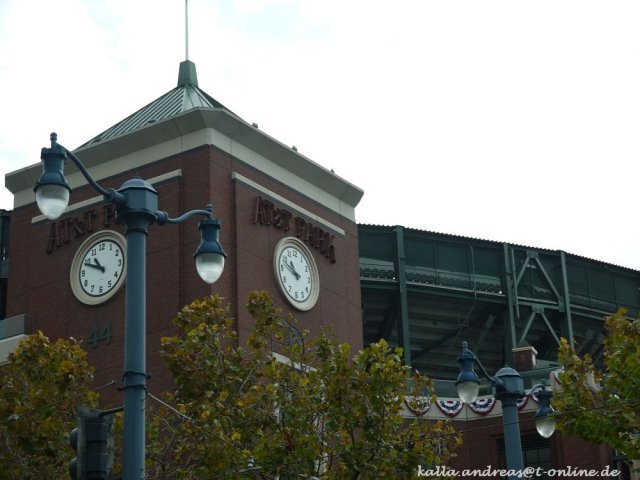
point(9, 345)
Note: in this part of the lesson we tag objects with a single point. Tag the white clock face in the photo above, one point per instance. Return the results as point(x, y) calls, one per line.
point(101, 268)
point(296, 273)
point(98, 269)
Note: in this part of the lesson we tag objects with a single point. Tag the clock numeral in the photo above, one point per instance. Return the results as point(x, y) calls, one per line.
point(82, 273)
point(98, 335)
point(102, 247)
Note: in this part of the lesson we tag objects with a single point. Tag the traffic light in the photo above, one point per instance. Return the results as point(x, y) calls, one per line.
point(92, 441)
point(76, 440)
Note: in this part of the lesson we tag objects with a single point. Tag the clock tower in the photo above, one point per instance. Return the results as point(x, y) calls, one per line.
point(288, 227)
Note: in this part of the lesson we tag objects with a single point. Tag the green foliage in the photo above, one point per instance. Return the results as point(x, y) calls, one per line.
point(40, 388)
point(314, 411)
point(602, 406)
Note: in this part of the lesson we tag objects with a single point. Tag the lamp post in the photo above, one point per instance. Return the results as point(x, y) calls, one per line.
point(137, 207)
point(508, 387)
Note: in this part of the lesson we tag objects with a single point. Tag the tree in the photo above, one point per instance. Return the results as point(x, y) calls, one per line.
point(310, 410)
point(601, 404)
point(40, 388)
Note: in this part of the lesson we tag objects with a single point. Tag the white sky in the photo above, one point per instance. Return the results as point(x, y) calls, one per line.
point(505, 120)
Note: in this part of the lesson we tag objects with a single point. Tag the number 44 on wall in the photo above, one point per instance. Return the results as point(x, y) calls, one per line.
point(99, 335)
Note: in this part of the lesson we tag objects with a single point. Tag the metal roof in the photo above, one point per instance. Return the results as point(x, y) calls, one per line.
point(495, 242)
point(186, 96)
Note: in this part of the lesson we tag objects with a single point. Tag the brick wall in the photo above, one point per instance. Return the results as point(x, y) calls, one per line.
point(40, 288)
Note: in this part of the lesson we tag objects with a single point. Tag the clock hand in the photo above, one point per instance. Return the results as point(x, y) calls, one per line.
point(293, 269)
point(102, 269)
point(96, 265)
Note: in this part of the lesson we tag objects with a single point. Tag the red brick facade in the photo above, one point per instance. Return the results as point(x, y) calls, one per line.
point(40, 289)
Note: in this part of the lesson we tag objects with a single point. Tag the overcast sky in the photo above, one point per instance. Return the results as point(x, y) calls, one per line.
point(504, 120)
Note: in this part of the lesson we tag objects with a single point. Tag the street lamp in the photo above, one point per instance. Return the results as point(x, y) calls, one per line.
point(508, 387)
point(544, 418)
point(137, 207)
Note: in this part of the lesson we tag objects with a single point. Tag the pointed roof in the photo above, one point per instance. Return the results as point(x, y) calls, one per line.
point(151, 133)
point(184, 97)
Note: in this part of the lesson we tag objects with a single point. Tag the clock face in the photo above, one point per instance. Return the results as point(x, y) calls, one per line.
point(296, 273)
point(98, 269)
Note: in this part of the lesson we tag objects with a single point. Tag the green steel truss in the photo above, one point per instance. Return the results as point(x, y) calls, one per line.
point(427, 292)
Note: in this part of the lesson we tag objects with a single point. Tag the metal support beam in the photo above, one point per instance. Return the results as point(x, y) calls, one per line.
point(538, 310)
point(527, 326)
point(567, 325)
point(547, 278)
point(403, 329)
point(513, 312)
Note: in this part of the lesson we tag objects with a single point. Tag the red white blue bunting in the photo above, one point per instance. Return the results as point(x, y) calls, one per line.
point(534, 395)
point(482, 406)
point(450, 407)
point(418, 406)
point(522, 402)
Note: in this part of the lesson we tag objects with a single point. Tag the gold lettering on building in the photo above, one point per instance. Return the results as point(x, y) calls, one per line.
point(266, 213)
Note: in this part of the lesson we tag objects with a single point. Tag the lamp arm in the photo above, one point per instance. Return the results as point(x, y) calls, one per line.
point(163, 218)
point(109, 194)
point(494, 380)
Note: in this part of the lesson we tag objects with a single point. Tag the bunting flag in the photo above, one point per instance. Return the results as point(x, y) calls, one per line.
point(522, 402)
point(482, 406)
point(556, 376)
point(534, 395)
point(450, 407)
point(418, 406)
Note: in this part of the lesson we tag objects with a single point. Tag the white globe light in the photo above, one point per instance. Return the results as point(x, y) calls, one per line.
point(546, 426)
point(52, 200)
point(468, 391)
point(210, 266)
